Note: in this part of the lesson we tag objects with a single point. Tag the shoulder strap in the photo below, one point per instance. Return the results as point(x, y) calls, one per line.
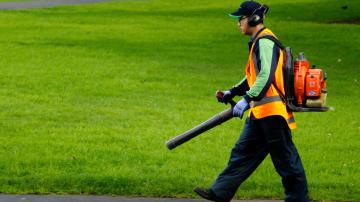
point(282, 47)
point(272, 38)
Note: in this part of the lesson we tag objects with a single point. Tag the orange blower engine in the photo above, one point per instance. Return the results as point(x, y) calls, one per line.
point(305, 87)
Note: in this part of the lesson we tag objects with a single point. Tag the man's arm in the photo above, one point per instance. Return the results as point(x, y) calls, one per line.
point(240, 88)
point(267, 59)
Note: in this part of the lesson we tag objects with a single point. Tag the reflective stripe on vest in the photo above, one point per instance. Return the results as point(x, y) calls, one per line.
point(265, 100)
point(291, 120)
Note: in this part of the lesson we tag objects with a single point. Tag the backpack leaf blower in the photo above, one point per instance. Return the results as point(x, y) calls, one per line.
point(305, 91)
point(305, 87)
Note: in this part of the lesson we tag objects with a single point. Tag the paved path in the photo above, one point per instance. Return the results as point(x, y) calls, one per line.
point(78, 198)
point(44, 3)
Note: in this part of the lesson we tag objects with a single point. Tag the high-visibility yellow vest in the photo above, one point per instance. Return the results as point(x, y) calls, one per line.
point(271, 103)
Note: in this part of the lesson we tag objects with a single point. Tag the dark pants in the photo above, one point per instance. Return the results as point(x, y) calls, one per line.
point(258, 139)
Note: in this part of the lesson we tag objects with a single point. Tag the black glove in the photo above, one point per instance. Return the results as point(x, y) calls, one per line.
point(227, 97)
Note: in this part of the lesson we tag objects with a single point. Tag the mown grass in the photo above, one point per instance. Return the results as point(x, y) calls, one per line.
point(90, 93)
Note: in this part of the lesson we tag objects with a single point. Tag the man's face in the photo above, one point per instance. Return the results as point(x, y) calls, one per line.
point(244, 25)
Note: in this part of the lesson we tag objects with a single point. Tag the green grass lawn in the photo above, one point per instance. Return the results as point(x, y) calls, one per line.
point(90, 93)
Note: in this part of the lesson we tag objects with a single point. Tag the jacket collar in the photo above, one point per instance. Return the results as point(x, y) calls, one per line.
point(252, 39)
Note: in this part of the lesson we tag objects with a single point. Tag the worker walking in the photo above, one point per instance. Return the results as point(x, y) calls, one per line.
point(268, 123)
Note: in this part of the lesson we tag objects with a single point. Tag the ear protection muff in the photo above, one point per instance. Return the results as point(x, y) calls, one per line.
point(255, 18)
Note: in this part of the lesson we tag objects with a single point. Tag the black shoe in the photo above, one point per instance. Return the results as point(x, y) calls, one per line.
point(208, 194)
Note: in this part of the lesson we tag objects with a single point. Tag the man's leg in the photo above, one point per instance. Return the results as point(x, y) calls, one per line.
point(285, 158)
point(249, 151)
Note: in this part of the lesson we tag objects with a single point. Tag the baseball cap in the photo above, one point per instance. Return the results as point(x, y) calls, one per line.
point(246, 8)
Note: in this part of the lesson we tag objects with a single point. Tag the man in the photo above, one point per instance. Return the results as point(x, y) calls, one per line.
point(267, 127)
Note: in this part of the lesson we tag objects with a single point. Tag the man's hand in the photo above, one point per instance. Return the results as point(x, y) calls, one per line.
point(240, 108)
point(227, 97)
